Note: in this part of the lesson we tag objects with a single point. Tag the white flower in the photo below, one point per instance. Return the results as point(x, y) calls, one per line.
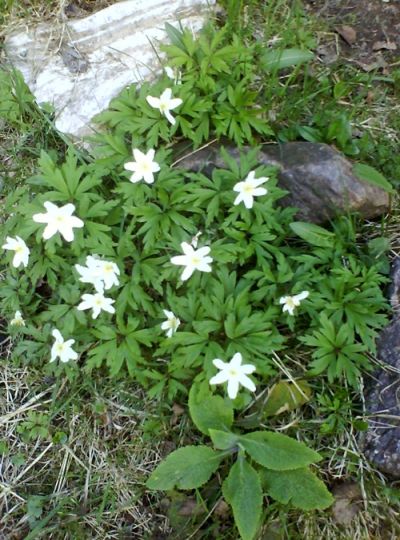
point(59, 220)
point(17, 320)
point(291, 302)
point(165, 103)
point(248, 189)
point(97, 302)
point(21, 250)
point(171, 324)
point(101, 274)
point(193, 260)
point(235, 374)
point(174, 74)
point(62, 348)
point(143, 167)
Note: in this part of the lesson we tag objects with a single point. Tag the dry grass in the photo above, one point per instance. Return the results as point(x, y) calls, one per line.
point(91, 485)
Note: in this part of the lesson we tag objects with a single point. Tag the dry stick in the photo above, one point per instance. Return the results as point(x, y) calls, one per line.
point(194, 152)
point(29, 405)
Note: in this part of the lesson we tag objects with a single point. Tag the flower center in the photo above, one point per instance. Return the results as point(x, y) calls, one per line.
point(290, 302)
point(163, 106)
point(195, 261)
point(98, 302)
point(19, 249)
point(108, 268)
point(60, 219)
point(233, 372)
point(60, 347)
point(248, 188)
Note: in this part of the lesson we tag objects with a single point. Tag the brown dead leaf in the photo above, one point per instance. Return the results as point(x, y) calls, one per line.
point(222, 510)
point(344, 511)
point(379, 64)
point(190, 508)
point(347, 33)
point(346, 505)
point(177, 411)
point(387, 45)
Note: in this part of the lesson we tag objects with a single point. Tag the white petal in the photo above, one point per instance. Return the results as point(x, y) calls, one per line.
point(153, 102)
point(219, 378)
point(236, 361)
point(302, 295)
point(258, 181)
point(67, 210)
point(148, 177)
point(130, 166)
point(187, 273)
point(166, 95)
point(169, 117)
point(180, 260)
point(245, 381)
point(220, 364)
point(187, 248)
point(247, 369)
point(238, 199)
point(248, 200)
point(203, 251)
point(67, 233)
point(40, 218)
point(50, 230)
point(233, 388)
point(174, 103)
point(57, 335)
point(204, 267)
point(259, 191)
point(283, 300)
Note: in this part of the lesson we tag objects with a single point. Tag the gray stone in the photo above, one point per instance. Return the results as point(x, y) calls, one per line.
point(80, 65)
point(320, 181)
point(381, 442)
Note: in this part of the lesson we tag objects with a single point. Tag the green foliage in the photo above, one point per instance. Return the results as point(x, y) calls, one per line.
point(262, 457)
point(187, 468)
point(300, 487)
point(275, 59)
point(209, 412)
point(276, 451)
point(35, 426)
point(242, 490)
point(371, 175)
point(286, 396)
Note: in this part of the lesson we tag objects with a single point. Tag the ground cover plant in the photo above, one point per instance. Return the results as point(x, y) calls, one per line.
point(121, 266)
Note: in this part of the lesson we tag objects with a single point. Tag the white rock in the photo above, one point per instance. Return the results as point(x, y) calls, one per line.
point(80, 65)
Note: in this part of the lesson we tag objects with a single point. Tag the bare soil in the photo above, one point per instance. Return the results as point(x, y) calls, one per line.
point(368, 30)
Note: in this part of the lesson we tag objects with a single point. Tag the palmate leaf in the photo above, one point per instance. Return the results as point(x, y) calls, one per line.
point(301, 488)
point(276, 451)
point(186, 468)
point(242, 490)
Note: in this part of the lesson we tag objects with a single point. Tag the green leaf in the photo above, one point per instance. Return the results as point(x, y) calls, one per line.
point(313, 234)
point(279, 59)
point(210, 412)
point(186, 468)
point(301, 488)
point(223, 440)
point(276, 451)
point(286, 396)
point(372, 176)
point(242, 490)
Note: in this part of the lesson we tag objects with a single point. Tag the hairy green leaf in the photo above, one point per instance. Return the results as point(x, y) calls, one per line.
point(186, 468)
point(242, 490)
point(301, 488)
point(276, 451)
